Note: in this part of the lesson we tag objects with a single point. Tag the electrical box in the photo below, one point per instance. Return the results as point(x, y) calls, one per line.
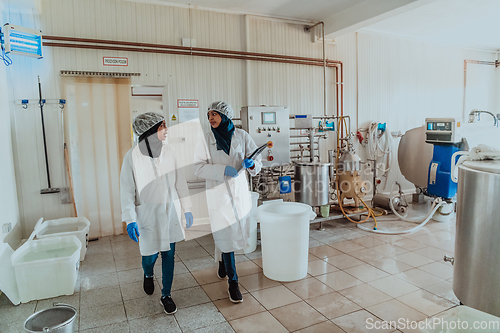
point(442, 130)
point(270, 125)
point(304, 121)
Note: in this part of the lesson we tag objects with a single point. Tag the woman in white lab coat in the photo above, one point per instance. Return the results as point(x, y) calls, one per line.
point(221, 159)
point(153, 191)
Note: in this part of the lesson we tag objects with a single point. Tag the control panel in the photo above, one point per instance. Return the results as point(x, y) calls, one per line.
point(442, 130)
point(270, 125)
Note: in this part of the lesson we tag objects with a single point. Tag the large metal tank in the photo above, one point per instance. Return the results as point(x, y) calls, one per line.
point(476, 273)
point(414, 156)
point(311, 183)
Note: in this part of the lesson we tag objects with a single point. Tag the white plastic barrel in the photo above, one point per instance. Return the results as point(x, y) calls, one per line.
point(284, 233)
point(252, 240)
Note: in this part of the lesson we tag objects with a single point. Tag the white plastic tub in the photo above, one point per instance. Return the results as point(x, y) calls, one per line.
point(284, 232)
point(252, 240)
point(46, 267)
point(78, 226)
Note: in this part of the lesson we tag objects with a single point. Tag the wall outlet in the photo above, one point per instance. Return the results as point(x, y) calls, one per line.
point(6, 228)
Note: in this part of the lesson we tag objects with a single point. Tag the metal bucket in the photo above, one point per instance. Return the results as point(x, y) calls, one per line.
point(311, 183)
point(60, 318)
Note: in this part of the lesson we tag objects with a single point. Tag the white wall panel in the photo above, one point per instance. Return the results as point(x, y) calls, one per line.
point(402, 82)
point(8, 194)
point(385, 78)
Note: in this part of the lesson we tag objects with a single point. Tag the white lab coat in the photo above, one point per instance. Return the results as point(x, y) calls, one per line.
point(153, 191)
point(228, 211)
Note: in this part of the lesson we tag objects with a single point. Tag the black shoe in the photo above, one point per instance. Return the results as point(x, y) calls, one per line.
point(221, 273)
point(168, 305)
point(149, 285)
point(234, 293)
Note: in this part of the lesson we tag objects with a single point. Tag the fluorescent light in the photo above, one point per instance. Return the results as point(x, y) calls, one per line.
point(22, 41)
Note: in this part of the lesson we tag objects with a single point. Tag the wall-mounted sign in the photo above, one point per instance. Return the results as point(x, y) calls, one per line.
point(188, 109)
point(115, 61)
point(187, 103)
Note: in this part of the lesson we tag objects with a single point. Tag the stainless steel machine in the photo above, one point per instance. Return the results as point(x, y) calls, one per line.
point(476, 275)
point(312, 183)
point(271, 125)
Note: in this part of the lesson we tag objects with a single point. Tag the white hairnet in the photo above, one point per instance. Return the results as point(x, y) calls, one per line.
point(143, 122)
point(222, 107)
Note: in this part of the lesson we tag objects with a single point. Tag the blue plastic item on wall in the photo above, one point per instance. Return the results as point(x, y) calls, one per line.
point(439, 181)
point(285, 184)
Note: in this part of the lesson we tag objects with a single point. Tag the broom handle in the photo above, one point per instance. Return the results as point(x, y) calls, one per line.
point(43, 131)
point(69, 176)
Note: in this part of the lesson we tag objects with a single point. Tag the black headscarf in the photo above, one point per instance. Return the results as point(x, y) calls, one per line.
point(149, 144)
point(223, 133)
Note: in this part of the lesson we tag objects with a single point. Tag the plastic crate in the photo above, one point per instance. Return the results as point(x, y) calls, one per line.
point(47, 267)
point(78, 226)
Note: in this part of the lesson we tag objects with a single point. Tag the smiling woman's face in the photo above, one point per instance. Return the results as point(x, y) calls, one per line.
point(214, 118)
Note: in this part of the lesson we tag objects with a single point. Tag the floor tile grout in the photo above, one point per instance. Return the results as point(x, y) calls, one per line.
point(115, 246)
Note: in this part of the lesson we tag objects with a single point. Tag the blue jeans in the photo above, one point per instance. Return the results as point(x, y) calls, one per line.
point(230, 265)
point(167, 268)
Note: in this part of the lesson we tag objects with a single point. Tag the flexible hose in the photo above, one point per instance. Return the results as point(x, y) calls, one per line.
point(409, 231)
point(375, 149)
point(401, 216)
point(437, 203)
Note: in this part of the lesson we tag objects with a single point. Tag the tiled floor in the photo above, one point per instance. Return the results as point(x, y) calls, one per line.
point(354, 277)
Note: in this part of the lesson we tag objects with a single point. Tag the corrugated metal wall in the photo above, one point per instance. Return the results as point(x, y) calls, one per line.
point(398, 81)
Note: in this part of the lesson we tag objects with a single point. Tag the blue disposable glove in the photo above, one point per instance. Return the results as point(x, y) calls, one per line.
point(247, 163)
point(189, 219)
point(230, 172)
point(132, 230)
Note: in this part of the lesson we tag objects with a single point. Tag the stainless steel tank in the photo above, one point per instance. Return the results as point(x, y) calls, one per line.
point(311, 183)
point(476, 272)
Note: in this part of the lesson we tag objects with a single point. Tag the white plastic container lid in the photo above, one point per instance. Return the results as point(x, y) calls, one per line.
point(491, 166)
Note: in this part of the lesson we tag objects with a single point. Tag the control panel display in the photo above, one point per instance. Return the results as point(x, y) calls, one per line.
point(269, 118)
point(439, 126)
point(442, 130)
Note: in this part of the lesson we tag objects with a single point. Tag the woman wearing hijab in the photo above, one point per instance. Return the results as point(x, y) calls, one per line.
point(153, 191)
point(218, 159)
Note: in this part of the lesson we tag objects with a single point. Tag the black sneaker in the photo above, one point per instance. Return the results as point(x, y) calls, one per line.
point(221, 272)
point(168, 305)
point(234, 293)
point(149, 285)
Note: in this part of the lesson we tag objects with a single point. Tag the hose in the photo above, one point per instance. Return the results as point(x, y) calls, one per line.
point(409, 231)
point(374, 148)
point(437, 203)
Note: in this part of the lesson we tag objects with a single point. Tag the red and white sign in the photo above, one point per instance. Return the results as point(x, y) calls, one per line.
point(114, 61)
